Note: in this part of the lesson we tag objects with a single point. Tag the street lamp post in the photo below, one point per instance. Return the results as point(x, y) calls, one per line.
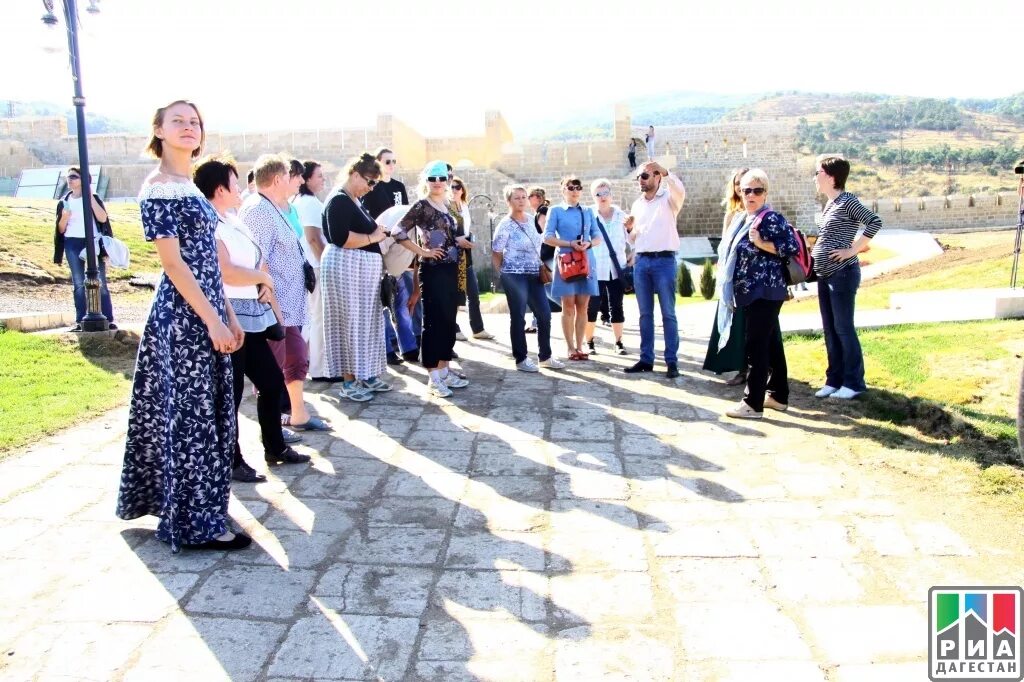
point(94, 320)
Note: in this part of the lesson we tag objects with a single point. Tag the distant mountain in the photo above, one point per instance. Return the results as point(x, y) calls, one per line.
point(97, 123)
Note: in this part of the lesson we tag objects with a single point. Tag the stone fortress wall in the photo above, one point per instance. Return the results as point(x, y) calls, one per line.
point(704, 156)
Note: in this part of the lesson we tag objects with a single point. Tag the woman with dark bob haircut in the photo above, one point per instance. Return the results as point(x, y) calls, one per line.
point(838, 270)
point(181, 424)
point(352, 268)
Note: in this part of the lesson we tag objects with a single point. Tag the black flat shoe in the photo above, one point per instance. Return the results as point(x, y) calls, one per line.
point(243, 473)
point(673, 371)
point(639, 367)
point(395, 359)
point(411, 356)
point(240, 541)
point(288, 456)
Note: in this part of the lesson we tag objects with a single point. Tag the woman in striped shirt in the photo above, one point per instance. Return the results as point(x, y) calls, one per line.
point(838, 271)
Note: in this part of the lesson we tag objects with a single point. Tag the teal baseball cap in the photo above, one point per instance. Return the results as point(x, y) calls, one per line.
point(436, 169)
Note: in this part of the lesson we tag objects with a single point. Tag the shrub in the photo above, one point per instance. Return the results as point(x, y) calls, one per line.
point(707, 280)
point(685, 281)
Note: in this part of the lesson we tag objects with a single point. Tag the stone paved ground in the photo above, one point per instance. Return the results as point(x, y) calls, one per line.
point(579, 525)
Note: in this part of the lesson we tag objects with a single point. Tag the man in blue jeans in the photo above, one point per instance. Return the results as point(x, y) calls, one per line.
point(655, 238)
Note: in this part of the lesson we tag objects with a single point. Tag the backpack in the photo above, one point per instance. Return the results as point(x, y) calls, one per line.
point(799, 267)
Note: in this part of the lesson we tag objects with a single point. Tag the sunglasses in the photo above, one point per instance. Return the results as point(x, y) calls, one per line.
point(603, 193)
point(437, 178)
point(369, 182)
point(456, 186)
point(646, 176)
point(756, 191)
point(391, 162)
point(74, 177)
point(574, 188)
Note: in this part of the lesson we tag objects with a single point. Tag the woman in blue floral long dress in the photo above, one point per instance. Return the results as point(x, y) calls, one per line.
point(182, 424)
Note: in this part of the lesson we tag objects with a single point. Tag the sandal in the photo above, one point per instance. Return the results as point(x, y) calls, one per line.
point(576, 355)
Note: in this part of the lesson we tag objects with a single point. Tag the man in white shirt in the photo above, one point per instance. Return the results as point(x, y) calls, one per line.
point(655, 238)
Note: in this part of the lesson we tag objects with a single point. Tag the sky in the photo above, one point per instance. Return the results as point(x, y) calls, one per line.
point(305, 64)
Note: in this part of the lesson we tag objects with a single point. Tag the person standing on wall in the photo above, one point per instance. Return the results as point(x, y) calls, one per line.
point(650, 143)
point(309, 210)
point(655, 239)
point(390, 191)
point(631, 153)
point(838, 270)
point(69, 241)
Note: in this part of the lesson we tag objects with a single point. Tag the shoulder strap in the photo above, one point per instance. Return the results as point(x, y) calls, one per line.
point(608, 245)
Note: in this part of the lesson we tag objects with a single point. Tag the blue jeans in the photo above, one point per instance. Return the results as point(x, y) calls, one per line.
point(837, 296)
point(403, 319)
point(73, 249)
point(656, 275)
point(522, 291)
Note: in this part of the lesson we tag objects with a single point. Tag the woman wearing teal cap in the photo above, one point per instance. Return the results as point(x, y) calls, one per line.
point(434, 229)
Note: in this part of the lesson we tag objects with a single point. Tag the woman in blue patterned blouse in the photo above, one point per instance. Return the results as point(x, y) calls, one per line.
point(759, 242)
point(515, 253)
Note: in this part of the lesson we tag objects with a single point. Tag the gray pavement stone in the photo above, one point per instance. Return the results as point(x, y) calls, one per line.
point(534, 488)
point(616, 653)
point(753, 630)
point(499, 549)
point(330, 646)
point(251, 591)
point(223, 648)
point(405, 484)
point(339, 487)
point(287, 549)
point(314, 515)
point(412, 512)
point(494, 594)
point(375, 590)
point(388, 545)
point(72, 651)
point(625, 597)
point(865, 634)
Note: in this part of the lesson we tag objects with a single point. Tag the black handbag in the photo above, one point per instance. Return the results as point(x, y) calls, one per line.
point(388, 288)
point(308, 274)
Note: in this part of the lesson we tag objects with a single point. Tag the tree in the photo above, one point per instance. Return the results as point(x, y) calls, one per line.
point(685, 281)
point(707, 280)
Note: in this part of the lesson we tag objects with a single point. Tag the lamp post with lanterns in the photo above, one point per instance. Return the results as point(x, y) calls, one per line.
point(94, 320)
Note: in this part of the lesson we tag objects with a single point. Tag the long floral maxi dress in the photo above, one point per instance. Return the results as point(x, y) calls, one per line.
point(182, 424)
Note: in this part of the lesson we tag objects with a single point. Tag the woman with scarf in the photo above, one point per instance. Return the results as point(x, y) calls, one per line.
point(755, 248)
point(733, 356)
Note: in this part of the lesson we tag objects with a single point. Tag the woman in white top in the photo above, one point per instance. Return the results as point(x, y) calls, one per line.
point(310, 214)
point(609, 276)
point(249, 290)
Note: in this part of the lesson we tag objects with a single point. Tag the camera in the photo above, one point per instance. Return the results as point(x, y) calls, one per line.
point(1019, 168)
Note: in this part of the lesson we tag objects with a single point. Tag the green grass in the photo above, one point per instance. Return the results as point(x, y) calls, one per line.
point(949, 389)
point(26, 238)
point(51, 382)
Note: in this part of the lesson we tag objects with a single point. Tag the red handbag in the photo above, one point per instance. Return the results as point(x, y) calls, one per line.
point(574, 265)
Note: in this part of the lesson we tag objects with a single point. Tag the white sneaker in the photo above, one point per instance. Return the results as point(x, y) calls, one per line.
point(459, 336)
point(453, 380)
point(484, 334)
point(552, 363)
point(527, 366)
point(743, 411)
point(773, 404)
point(845, 393)
point(354, 390)
point(825, 391)
point(438, 389)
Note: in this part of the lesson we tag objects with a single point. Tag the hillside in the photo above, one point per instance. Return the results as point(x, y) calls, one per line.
point(905, 146)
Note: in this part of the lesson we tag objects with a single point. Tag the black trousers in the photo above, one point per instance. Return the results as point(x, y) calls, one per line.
point(439, 286)
point(767, 356)
point(610, 300)
point(255, 360)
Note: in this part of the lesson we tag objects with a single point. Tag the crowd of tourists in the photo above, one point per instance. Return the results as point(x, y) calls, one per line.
point(272, 284)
